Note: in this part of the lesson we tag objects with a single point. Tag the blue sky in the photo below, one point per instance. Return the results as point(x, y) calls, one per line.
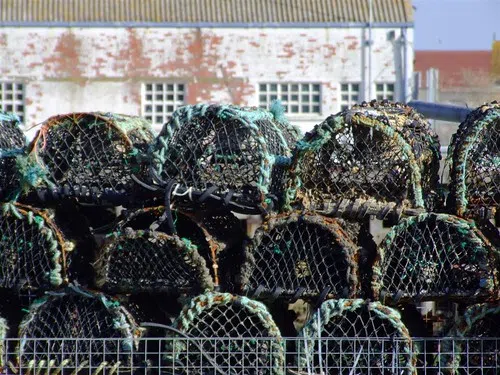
point(456, 24)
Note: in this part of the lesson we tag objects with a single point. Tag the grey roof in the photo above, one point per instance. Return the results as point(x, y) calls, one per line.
point(257, 12)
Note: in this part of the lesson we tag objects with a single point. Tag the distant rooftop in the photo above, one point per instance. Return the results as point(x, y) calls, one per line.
point(177, 12)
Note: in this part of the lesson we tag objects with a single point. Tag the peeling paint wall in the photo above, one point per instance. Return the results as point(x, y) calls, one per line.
point(83, 69)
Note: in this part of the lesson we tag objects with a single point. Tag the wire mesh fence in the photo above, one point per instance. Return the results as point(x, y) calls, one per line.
point(432, 356)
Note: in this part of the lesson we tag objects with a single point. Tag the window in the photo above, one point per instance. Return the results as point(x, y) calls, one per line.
point(384, 91)
point(296, 98)
point(159, 100)
point(12, 98)
point(349, 95)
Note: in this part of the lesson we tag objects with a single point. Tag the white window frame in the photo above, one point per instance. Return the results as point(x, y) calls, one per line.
point(351, 93)
point(13, 100)
point(161, 108)
point(305, 97)
point(385, 93)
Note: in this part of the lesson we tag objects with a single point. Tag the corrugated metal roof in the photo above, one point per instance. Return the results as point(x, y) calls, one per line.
point(204, 11)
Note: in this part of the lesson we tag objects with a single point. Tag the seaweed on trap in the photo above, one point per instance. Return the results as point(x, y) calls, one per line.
point(474, 153)
point(371, 159)
point(227, 321)
point(435, 256)
point(90, 156)
point(82, 318)
point(240, 153)
point(351, 319)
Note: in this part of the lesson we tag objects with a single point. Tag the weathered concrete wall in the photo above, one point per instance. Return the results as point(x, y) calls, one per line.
point(81, 69)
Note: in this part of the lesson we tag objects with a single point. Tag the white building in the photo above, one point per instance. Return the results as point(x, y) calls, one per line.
point(147, 57)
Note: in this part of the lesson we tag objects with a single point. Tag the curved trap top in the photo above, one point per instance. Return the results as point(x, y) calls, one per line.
point(356, 334)
point(435, 256)
point(142, 260)
point(302, 255)
point(84, 319)
point(238, 150)
point(33, 251)
point(91, 155)
point(475, 167)
point(366, 159)
point(474, 356)
point(227, 321)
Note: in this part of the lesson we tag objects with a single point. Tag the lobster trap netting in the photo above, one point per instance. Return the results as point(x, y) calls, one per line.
point(303, 255)
point(89, 155)
point(227, 322)
point(241, 151)
point(368, 159)
point(88, 322)
point(475, 163)
point(434, 256)
point(12, 144)
point(183, 225)
point(373, 335)
point(33, 251)
point(135, 261)
point(476, 349)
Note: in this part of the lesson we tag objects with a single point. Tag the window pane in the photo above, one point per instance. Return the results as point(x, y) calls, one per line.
point(159, 96)
point(305, 98)
point(170, 108)
point(159, 87)
point(316, 98)
point(159, 119)
point(295, 98)
point(9, 108)
point(295, 87)
point(295, 109)
point(8, 96)
point(180, 87)
point(19, 108)
point(284, 98)
point(390, 87)
point(273, 87)
point(262, 87)
point(305, 109)
point(149, 118)
point(159, 108)
point(379, 87)
point(305, 87)
point(180, 97)
point(148, 108)
point(380, 97)
point(284, 88)
point(345, 97)
point(170, 87)
point(170, 97)
point(355, 87)
point(8, 86)
point(354, 98)
point(390, 97)
point(273, 97)
point(149, 97)
point(19, 86)
point(316, 109)
point(316, 87)
point(149, 87)
point(19, 96)
point(344, 87)
point(262, 98)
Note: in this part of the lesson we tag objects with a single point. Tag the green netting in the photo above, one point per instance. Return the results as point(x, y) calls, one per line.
point(236, 149)
point(82, 318)
point(478, 321)
point(355, 320)
point(435, 256)
point(377, 155)
point(475, 163)
point(301, 251)
point(33, 251)
point(227, 320)
point(89, 154)
point(142, 260)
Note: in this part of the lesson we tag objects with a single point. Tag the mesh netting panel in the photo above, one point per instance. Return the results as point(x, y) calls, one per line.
point(475, 356)
point(32, 250)
point(354, 320)
point(12, 143)
point(372, 155)
point(475, 169)
point(82, 319)
point(92, 153)
point(135, 261)
point(11, 135)
point(435, 255)
point(226, 319)
point(311, 253)
point(230, 147)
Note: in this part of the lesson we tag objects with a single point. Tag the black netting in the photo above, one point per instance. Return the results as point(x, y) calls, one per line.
point(354, 320)
point(305, 252)
point(138, 260)
point(226, 320)
point(475, 169)
point(32, 250)
point(226, 146)
point(435, 256)
point(83, 320)
point(11, 136)
point(92, 153)
point(375, 153)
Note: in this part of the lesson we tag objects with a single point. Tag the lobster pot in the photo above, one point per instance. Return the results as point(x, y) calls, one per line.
point(434, 256)
point(366, 161)
point(91, 155)
point(239, 337)
point(474, 356)
point(303, 255)
point(475, 167)
point(240, 151)
point(366, 337)
point(33, 251)
point(147, 261)
point(76, 331)
point(4, 329)
point(12, 144)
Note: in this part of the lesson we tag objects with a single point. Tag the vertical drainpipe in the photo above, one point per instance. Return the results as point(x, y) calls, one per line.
point(370, 51)
point(404, 41)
